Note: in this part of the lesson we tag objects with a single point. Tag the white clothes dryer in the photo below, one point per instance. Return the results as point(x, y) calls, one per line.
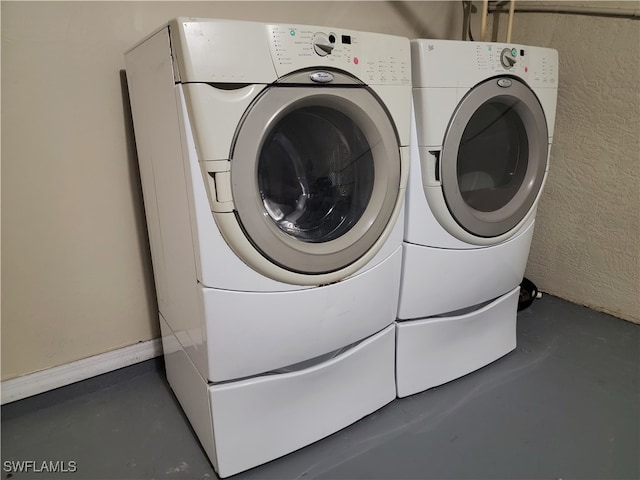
point(274, 162)
point(481, 134)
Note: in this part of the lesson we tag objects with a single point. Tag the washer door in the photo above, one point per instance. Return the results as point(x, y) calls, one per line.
point(315, 176)
point(494, 157)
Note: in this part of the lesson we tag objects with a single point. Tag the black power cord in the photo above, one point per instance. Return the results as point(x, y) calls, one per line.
point(528, 293)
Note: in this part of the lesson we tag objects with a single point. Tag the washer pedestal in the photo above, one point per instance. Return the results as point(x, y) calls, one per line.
point(245, 423)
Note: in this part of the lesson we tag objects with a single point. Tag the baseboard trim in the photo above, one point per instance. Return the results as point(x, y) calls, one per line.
point(45, 380)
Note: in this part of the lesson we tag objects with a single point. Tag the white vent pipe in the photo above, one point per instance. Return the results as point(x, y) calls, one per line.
point(485, 12)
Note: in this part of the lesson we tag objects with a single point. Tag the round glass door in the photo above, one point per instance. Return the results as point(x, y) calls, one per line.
point(494, 157)
point(315, 176)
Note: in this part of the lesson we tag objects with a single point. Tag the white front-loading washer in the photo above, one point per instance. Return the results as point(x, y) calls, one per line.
point(274, 161)
point(481, 134)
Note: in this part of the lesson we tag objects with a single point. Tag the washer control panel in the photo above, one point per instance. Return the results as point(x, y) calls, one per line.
point(374, 58)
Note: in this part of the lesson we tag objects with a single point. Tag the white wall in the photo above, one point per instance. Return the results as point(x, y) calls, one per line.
point(76, 271)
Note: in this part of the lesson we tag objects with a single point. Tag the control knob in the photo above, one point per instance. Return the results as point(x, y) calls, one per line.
point(508, 57)
point(323, 44)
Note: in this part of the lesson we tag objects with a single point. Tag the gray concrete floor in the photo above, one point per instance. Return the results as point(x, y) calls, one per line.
point(565, 404)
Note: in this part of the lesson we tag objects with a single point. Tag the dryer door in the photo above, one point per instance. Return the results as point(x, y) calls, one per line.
point(315, 176)
point(494, 157)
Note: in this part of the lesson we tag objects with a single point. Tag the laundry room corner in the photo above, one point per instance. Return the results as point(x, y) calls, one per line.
point(77, 292)
point(586, 245)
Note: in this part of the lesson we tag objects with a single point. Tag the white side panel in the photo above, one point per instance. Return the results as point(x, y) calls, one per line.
point(157, 129)
point(437, 281)
point(434, 351)
point(252, 333)
point(190, 389)
point(142, 92)
point(263, 418)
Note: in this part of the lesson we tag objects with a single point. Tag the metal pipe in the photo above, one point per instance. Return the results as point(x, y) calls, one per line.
point(483, 28)
point(633, 13)
point(512, 6)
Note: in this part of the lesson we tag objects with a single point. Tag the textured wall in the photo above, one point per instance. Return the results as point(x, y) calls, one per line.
point(586, 245)
point(76, 271)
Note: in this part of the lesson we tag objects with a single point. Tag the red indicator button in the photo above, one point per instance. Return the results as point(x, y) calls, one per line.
point(526, 69)
point(355, 60)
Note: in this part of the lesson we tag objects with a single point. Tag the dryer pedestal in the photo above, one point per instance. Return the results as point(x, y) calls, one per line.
point(436, 350)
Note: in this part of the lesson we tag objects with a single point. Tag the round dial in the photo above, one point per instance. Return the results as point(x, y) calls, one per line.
point(322, 44)
point(508, 57)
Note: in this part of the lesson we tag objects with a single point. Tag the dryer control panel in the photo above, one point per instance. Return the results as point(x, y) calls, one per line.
point(526, 62)
point(464, 64)
point(373, 58)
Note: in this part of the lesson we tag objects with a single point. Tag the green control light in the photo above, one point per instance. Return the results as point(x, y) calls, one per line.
point(514, 52)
